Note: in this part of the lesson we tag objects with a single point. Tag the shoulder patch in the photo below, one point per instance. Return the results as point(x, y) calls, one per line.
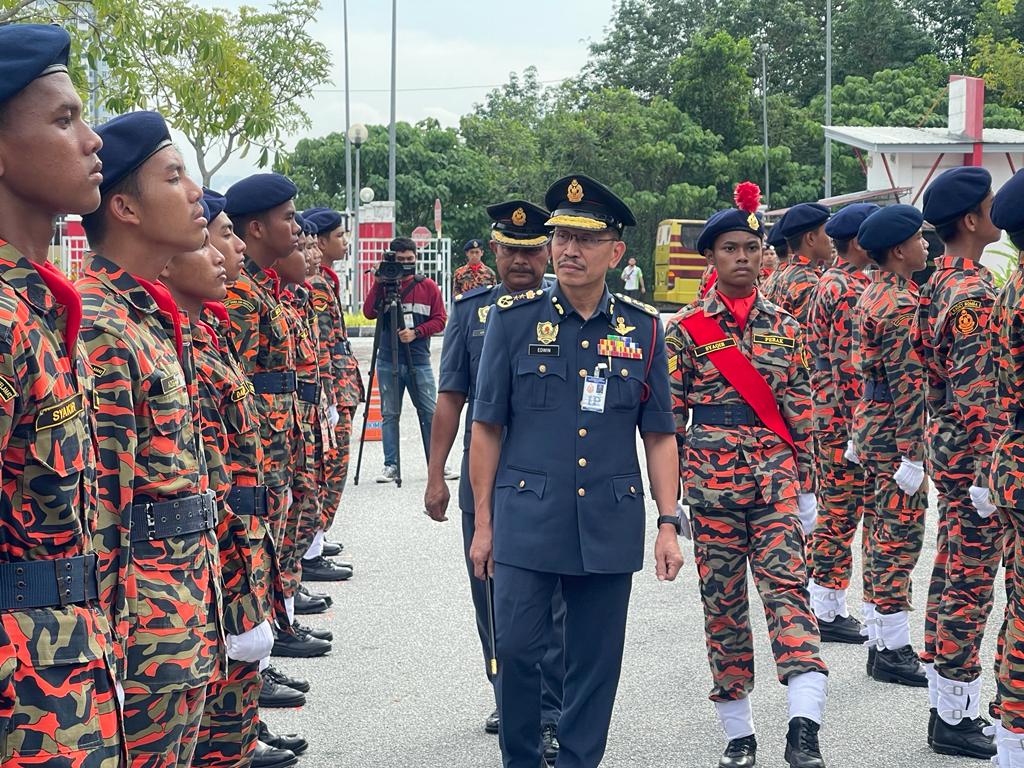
point(960, 306)
point(518, 299)
point(652, 311)
point(473, 292)
point(7, 391)
point(234, 303)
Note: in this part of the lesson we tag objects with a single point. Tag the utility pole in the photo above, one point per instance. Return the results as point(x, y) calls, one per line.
point(764, 122)
point(392, 140)
point(348, 118)
point(828, 96)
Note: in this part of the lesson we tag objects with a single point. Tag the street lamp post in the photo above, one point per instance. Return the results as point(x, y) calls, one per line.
point(764, 120)
point(828, 96)
point(357, 135)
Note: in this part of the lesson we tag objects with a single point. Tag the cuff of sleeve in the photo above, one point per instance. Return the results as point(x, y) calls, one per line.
point(448, 382)
point(242, 614)
point(658, 421)
point(491, 413)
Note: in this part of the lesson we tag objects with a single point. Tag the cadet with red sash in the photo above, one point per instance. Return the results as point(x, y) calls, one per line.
point(739, 368)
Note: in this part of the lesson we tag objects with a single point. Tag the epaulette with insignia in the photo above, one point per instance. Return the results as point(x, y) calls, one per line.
point(638, 304)
point(473, 292)
point(518, 299)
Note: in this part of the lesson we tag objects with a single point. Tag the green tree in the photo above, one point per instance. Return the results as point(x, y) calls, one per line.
point(895, 40)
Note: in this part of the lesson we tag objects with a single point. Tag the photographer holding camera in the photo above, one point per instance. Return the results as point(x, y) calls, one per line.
point(421, 316)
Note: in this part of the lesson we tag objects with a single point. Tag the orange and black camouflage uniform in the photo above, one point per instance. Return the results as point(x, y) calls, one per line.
point(836, 389)
point(741, 483)
point(57, 699)
point(161, 592)
point(1006, 483)
point(792, 286)
point(888, 422)
point(951, 335)
point(234, 458)
point(258, 333)
point(469, 276)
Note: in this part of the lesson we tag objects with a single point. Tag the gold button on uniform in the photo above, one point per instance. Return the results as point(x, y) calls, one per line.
point(632, 489)
point(583, 373)
point(542, 368)
point(581, 492)
point(624, 372)
point(522, 483)
point(584, 343)
point(583, 433)
point(583, 462)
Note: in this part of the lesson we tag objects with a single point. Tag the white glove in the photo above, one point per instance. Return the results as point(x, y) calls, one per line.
point(808, 504)
point(909, 476)
point(850, 454)
point(982, 501)
point(288, 499)
point(253, 645)
point(119, 690)
point(332, 416)
point(685, 530)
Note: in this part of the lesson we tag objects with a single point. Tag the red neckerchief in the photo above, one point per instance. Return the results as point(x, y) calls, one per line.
point(211, 332)
point(740, 308)
point(333, 276)
point(272, 274)
point(217, 309)
point(165, 301)
point(712, 279)
point(475, 267)
point(66, 295)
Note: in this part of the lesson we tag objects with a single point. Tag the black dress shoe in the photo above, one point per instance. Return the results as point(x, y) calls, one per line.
point(267, 756)
point(290, 741)
point(965, 739)
point(322, 569)
point(900, 666)
point(299, 646)
point(740, 753)
point(842, 629)
point(549, 742)
point(493, 722)
point(319, 634)
point(316, 595)
point(275, 695)
point(332, 548)
point(872, 653)
point(279, 677)
point(933, 715)
point(306, 606)
point(802, 749)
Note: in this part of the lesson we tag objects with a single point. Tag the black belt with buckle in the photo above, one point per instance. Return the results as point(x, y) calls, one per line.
point(309, 392)
point(725, 415)
point(877, 391)
point(176, 517)
point(822, 364)
point(248, 500)
point(28, 584)
point(274, 383)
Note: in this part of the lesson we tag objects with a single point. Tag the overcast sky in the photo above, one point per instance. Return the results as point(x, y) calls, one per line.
point(450, 54)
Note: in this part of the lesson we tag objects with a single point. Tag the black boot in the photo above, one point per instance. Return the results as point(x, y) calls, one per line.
point(802, 749)
point(332, 548)
point(493, 722)
point(319, 634)
point(299, 646)
point(900, 666)
point(842, 629)
point(306, 605)
point(965, 739)
point(290, 741)
point(316, 595)
point(933, 715)
point(322, 569)
point(549, 742)
point(872, 653)
point(279, 677)
point(267, 756)
point(740, 753)
point(275, 695)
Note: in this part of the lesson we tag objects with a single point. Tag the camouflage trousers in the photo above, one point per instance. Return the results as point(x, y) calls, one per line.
point(843, 501)
point(278, 518)
point(1010, 670)
point(64, 709)
point(937, 581)
point(305, 518)
point(768, 537)
point(336, 466)
point(230, 723)
point(897, 536)
point(161, 729)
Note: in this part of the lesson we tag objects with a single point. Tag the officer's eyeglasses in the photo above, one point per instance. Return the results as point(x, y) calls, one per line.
point(586, 242)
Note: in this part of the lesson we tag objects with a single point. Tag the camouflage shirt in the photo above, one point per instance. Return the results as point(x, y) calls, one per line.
point(466, 278)
point(791, 287)
point(1007, 323)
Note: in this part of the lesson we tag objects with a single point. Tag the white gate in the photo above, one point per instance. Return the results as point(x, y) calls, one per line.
point(433, 260)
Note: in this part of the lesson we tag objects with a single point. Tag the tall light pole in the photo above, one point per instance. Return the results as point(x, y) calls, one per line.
point(392, 140)
point(828, 96)
point(357, 134)
point(764, 121)
point(348, 142)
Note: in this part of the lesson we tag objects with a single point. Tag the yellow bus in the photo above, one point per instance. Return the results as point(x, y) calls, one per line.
point(677, 265)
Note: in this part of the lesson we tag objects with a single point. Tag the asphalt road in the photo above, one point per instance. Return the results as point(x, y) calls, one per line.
point(405, 685)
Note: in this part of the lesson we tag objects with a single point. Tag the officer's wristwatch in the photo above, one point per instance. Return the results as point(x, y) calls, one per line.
point(671, 520)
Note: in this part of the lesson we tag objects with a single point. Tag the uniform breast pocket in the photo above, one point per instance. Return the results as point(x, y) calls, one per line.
point(522, 481)
point(169, 410)
point(628, 490)
point(625, 384)
point(772, 359)
point(538, 383)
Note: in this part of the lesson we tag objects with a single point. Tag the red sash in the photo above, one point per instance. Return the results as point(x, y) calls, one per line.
point(738, 371)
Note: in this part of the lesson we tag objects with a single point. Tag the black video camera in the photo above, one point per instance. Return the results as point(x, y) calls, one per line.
point(390, 270)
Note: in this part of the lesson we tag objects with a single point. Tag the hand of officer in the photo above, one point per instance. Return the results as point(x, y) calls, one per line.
point(808, 505)
point(909, 476)
point(850, 454)
point(407, 335)
point(982, 501)
point(668, 558)
point(436, 499)
point(253, 645)
point(480, 552)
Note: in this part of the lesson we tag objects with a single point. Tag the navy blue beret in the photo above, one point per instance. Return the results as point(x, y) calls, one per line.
point(206, 210)
point(29, 51)
point(954, 193)
point(1008, 204)
point(471, 244)
point(259, 192)
point(845, 224)
point(214, 202)
point(308, 227)
point(889, 227)
point(324, 220)
point(300, 221)
point(129, 141)
point(803, 217)
point(775, 237)
point(729, 220)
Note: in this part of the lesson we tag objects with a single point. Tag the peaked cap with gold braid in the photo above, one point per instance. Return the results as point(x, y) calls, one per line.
point(519, 223)
point(579, 202)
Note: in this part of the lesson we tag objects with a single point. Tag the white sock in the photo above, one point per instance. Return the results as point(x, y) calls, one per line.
point(933, 685)
point(870, 630)
point(1009, 747)
point(827, 603)
point(807, 693)
point(893, 630)
point(736, 718)
point(316, 547)
point(289, 606)
point(264, 663)
point(957, 701)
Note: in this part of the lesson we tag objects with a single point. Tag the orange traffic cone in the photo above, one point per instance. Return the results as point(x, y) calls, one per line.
point(374, 420)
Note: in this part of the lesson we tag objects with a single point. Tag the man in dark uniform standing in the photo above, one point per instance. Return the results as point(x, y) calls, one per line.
point(521, 245)
point(583, 370)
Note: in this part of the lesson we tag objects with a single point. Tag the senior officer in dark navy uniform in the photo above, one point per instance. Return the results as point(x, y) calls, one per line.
point(566, 377)
point(520, 241)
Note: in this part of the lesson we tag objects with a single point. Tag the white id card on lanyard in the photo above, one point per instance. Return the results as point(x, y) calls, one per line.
point(409, 324)
point(595, 389)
